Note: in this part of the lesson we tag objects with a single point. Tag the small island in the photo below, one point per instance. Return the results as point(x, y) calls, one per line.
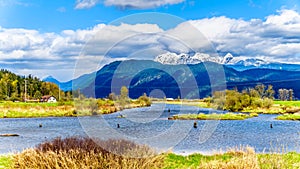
point(213, 116)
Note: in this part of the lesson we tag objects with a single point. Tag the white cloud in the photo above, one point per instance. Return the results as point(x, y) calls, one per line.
point(275, 38)
point(124, 4)
point(82, 4)
point(33, 50)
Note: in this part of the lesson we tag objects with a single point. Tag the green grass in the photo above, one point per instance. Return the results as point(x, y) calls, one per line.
point(29, 110)
point(174, 161)
point(284, 161)
point(234, 160)
point(201, 116)
point(288, 103)
point(87, 107)
point(6, 161)
point(288, 117)
point(29, 104)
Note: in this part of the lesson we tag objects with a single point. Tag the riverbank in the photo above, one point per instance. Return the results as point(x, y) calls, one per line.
point(295, 117)
point(84, 152)
point(288, 110)
point(229, 160)
point(86, 107)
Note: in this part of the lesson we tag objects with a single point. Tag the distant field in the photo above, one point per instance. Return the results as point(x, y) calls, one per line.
point(28, 110)
point(288, 103)
point(9, 109)
point(29, 104)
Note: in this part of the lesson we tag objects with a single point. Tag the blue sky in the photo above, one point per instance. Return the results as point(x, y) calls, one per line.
point(58, 15)
point(45, 37)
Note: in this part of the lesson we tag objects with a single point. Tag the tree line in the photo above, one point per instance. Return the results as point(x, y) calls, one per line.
point(18, 88)
point(260, 96)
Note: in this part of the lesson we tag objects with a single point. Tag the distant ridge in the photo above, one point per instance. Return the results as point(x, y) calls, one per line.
point(159, 76)
point(51, 79)
point(238, 63)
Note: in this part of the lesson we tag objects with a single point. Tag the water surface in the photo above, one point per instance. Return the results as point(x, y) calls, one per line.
point(150, 126)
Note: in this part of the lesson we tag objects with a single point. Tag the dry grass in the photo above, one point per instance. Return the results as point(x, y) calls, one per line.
point(85, 153)
point(243, 158)
point(237, 158)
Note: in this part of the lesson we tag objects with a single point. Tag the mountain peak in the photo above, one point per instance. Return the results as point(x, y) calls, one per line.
point(49, 78)
point(183, 58)
point(227, 58)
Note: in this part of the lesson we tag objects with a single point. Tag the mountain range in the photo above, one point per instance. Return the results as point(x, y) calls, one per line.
point(192, 80)
point(194, 58)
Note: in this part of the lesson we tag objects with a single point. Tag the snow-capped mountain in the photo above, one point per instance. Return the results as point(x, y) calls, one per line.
point(228, 59)
point(183, 58)
point(250, 62)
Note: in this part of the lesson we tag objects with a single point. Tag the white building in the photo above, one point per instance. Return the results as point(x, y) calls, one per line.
point(48, 99)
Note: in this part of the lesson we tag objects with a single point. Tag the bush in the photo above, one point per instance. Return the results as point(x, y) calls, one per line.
point(144, 100)
point(77, 152)
point(267, 103)
point(257, 102)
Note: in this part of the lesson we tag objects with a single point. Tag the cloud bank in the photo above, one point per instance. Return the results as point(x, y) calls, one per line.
point(276, 38)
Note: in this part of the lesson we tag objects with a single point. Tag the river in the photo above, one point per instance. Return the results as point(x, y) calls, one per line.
point(150, 126)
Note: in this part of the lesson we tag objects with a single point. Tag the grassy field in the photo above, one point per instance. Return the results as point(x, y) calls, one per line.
point(85, 107)
point(201, 116)
point(28, 110)
point(288, 103)
point(85, 153)
point(289, 117)
point(6, 161)
point(234, 159)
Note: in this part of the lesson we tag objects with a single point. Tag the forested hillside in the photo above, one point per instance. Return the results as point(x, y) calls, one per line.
point(13, 87)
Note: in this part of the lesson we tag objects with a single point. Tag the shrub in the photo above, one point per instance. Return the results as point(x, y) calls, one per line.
point(77, 152)
point(144, 100)
point(267, 103)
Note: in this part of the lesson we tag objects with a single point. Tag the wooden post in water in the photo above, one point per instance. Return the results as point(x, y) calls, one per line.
point(195, 124)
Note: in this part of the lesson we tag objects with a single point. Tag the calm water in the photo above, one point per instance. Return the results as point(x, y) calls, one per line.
point(150, 126)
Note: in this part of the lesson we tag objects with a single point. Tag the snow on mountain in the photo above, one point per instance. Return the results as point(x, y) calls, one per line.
point(183, 58)
point(228, 59)
point(250, 62)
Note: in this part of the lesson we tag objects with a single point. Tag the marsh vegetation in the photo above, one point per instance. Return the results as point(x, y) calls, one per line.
point(88, 153)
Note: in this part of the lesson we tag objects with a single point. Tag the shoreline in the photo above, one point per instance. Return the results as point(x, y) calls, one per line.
point(286, 110)
point(13, 110)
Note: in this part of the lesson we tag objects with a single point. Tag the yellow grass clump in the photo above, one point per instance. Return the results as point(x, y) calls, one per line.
point(81, 153)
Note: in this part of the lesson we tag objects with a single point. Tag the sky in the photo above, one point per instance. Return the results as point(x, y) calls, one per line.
point(67, 38)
